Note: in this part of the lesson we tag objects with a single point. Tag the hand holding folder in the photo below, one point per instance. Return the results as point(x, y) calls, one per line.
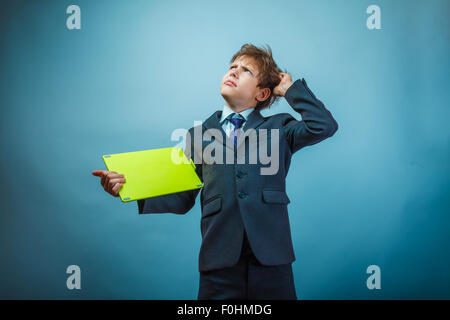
point(148, 173)
point(111, 181)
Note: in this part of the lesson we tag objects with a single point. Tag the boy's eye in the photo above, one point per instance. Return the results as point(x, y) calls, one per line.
point(232, 67)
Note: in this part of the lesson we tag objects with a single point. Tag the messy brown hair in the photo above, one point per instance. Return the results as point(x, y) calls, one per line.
point(268, 76)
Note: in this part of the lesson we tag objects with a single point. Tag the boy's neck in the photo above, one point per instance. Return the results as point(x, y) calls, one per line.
point(238, 109)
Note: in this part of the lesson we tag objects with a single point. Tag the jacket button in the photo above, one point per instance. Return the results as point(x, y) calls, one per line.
point(242, 195)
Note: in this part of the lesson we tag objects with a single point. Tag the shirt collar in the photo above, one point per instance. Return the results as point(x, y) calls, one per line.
point(227, 111)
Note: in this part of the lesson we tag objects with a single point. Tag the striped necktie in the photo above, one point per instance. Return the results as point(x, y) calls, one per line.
point(237, 120)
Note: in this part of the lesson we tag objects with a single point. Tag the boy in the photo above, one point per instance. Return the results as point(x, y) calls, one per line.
point(246, 250)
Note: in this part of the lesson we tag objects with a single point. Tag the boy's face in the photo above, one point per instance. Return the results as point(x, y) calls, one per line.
point(244, 93)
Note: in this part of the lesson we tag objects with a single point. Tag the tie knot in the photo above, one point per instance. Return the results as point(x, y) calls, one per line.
point(237, 120)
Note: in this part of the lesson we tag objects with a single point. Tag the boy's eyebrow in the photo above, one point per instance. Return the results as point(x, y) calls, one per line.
point(234, 63)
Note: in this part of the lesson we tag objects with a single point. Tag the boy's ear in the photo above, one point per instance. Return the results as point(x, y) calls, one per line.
point(263, 94)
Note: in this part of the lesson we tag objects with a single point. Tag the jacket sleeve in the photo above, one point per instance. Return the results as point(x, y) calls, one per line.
point(317, 122)
point(180, 202)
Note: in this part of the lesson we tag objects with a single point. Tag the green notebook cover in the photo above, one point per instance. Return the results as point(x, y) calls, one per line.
point(151, 173)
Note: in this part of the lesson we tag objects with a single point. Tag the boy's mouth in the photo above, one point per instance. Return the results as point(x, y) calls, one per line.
point(230, 83)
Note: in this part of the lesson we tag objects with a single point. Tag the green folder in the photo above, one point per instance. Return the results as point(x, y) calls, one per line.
point(151, 173)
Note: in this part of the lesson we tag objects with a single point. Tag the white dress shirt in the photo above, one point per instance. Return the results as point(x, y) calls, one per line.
point(227, 125)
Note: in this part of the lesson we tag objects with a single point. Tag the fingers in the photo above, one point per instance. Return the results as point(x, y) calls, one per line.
point(116, 188)
point(120, 179)
point(105, 179)
point(284, 74)
point(111, 180)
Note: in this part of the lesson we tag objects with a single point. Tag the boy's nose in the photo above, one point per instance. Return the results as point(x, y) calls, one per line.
point(234, 72)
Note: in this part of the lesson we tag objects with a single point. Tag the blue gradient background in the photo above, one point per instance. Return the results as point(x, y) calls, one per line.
point(377, 192)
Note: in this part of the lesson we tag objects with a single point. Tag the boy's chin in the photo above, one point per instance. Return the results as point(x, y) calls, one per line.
point(231, 99)
point(226, 96)
point(228, 99)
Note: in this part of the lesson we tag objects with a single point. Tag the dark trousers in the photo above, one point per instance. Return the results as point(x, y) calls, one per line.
point(248, 279)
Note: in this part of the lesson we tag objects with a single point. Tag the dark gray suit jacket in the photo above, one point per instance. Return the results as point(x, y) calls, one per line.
point(236, 196)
